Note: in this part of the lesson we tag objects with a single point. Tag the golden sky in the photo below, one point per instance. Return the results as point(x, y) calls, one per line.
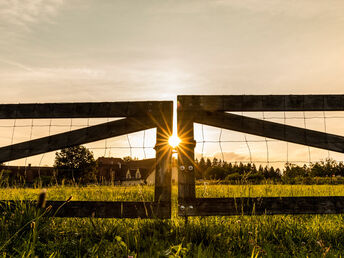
point(83, 50)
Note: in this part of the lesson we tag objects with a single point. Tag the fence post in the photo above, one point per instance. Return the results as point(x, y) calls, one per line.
point(163, 169)
point(186, 155)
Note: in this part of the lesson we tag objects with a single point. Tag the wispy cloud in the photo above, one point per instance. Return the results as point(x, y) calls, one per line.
point(295, 8)
point(290, 8)
point(16, 65)
point(17, 16)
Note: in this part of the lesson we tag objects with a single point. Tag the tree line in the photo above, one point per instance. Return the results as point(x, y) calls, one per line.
point(291, 173)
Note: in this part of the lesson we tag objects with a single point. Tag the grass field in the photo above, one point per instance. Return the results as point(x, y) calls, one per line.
point(25, 233)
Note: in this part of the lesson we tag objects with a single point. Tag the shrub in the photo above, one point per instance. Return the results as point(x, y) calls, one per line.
point(215, 173)
point(234, 176)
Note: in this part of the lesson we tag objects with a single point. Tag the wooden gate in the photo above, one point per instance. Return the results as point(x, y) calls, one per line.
point(138, 116)
point(212, 111)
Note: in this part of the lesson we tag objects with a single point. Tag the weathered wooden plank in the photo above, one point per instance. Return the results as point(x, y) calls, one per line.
point(186, 156)
point(262, 102)
point(101, 209)
point(76, 137)
point(163, 169)
point(82, 110)
point(262, 205)
point(271, 130)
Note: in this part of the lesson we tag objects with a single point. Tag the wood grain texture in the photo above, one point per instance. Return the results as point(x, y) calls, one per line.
point(261, 102)
point(100, 209)
point(82, 110)
point(186, 156)
point(76, 137)
point(262, 205)
point(163, 169)
point(271, 130)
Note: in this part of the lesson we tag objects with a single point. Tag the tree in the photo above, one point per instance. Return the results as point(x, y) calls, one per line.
point(215, 162)
point(201, 168)
point(216, 173)
point(293, 171)
point(208, 163)
point(75, 162)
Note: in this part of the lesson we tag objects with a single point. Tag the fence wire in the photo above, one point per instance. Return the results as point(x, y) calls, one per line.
point(231, 145)
point(139, 145)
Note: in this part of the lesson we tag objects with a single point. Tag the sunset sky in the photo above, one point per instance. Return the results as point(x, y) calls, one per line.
point(82, 50)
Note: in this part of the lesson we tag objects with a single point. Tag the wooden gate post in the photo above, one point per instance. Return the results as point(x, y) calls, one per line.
point(163, 168)
point(186, 155)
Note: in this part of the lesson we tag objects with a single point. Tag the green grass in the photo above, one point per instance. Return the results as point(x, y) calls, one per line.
point(25, 233)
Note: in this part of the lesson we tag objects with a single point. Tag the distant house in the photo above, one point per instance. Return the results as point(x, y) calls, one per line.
point(114, 170)
point(120, 172)
point(29, 173)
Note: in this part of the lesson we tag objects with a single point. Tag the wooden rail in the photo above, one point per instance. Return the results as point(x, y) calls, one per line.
point(211, 110)
point(262, 205)
point(137, 116)
point(81, 110)
point(98, 209)
point(250, 103)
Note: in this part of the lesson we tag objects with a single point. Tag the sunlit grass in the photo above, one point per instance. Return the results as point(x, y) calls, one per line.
point(269, 190)
point(239, 236)
point(146, 193)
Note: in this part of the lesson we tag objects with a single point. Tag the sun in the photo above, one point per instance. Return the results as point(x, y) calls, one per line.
point(174, 141)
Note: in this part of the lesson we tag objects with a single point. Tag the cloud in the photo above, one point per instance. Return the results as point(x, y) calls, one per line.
point(232, 156)
point(228, 156)
point(21, 14)
point(291, 8)
point(16, 65)
point(295, 8)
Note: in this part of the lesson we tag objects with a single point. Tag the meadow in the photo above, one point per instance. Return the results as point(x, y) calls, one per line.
point(27, 233)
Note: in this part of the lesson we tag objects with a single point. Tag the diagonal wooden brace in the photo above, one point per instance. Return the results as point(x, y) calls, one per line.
point(271, 130)
point(76, 137)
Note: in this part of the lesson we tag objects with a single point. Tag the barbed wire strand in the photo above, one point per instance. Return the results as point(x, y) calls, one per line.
point(266, 117)
point(285, 134)
point(130, 148)
point(325, 129)
point(144, 144)
point(220, 136)
point(305, 126)
point(105, 142)
point(43, 155)
point(31, 130)
point(203, 140)
point(13, 131)
point(266, 143)
point(248, 146)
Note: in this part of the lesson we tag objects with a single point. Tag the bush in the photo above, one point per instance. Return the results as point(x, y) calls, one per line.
point(234, 176)
point(255, 177)
point(215, 173)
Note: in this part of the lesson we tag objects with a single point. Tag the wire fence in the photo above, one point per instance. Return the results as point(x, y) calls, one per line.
point(211, 142)
point(139, 145)
point(235, 147)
